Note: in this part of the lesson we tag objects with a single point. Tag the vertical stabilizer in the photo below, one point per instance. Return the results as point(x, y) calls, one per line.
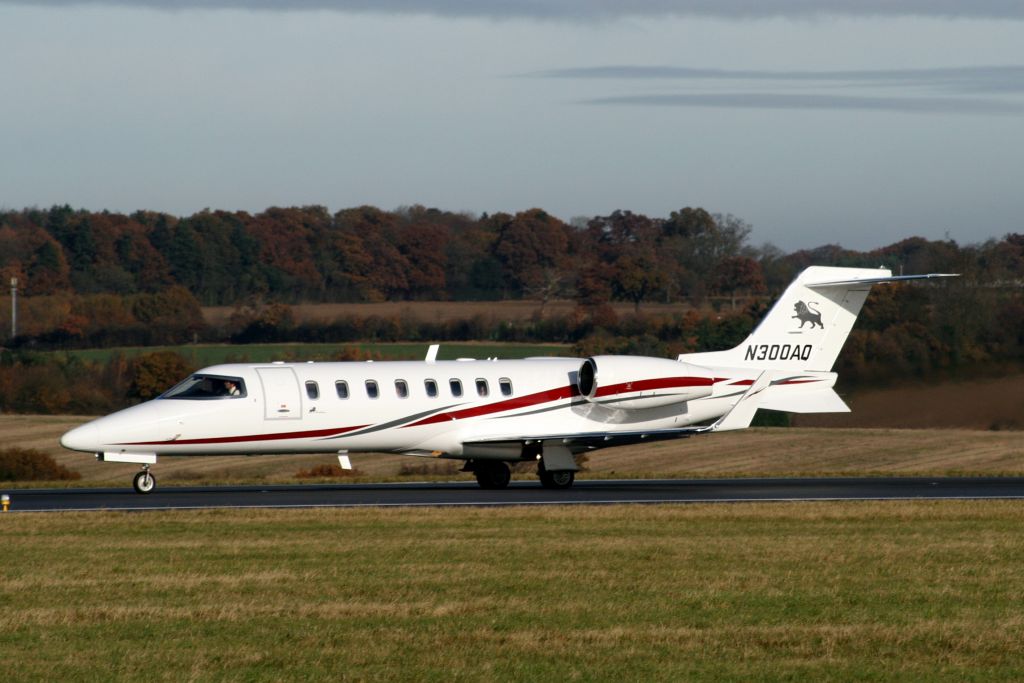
point(808, 325)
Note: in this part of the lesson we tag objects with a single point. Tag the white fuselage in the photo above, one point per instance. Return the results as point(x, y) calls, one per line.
point(418, 409)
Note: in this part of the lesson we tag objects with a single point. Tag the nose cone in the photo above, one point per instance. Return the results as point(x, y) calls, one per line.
point(84, 438)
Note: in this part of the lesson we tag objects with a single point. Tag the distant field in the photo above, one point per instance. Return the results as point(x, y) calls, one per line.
point(211, 354)
point(849, 591)
point(442, 311)
point(753, 452)
point(988, 403)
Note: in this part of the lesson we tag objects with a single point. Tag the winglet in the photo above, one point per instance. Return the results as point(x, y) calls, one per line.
point(743, 412)
point(432, 353)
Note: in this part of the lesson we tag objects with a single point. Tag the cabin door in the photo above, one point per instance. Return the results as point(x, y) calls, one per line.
point(282, 399)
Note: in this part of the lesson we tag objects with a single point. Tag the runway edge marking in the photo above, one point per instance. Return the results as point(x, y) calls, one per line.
point(164, 508)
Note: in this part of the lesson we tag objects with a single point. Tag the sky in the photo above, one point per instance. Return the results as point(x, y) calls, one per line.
point(852, 122)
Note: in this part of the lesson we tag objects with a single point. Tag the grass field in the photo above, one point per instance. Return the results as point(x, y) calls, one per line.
point(211, 354)
point(445, 311)
point(772, 592)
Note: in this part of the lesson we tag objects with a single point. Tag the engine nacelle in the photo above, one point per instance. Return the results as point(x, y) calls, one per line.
point(631, 382)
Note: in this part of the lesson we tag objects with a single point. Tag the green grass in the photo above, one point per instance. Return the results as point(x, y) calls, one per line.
point(211, 354)
point(817, 591)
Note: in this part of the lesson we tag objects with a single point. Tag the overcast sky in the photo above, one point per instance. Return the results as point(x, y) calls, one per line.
point(856, 122)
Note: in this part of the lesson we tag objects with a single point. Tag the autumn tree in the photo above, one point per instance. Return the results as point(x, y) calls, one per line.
point(472, 271)
point(173, 315)
point(421, 235)
point(367, 262)
point(625, 252)
point(33, 256)
point(697, 242)
point(738, 276)
point(154, 373)
point(532, 248)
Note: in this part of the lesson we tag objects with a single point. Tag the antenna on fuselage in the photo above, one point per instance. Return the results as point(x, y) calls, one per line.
point(432, 353)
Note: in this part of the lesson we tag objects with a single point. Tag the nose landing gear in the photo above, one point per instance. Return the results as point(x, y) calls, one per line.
point(144, 482)
point(561, 479)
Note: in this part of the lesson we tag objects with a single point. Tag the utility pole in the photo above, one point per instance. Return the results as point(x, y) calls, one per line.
point(14, 307)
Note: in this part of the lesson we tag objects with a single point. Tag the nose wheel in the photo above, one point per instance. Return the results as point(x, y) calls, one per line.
point(144, 482)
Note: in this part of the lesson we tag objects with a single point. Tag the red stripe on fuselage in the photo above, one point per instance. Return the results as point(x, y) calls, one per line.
point(561, 393)
point(500, 406)
point(309, 434)
point(651, 384)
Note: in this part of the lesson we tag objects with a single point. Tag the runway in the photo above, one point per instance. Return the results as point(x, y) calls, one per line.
point(592, 492)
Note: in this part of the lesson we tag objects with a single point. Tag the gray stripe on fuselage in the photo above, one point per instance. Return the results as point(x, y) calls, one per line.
point(395, 423)
point(543, 410)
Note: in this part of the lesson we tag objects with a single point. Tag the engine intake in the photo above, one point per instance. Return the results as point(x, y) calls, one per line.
point(631, 383)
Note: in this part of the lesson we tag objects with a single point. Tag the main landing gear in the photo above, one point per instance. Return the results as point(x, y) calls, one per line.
point(144, 482)
point(495, 474)
point(492, 474)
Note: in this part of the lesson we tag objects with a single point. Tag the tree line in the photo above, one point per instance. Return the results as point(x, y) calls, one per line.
point(366, 254)
point(100, 279)
point(414, 253)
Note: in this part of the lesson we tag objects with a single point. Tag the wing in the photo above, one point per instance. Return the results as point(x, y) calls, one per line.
point(738, 417)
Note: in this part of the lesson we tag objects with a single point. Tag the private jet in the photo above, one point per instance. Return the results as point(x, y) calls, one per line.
point(492, 413)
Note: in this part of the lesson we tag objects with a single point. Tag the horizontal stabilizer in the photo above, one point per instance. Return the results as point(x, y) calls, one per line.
point(824, 401)
point(877, 280)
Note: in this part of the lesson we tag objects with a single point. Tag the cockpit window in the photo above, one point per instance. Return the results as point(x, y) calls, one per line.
point(207, 387)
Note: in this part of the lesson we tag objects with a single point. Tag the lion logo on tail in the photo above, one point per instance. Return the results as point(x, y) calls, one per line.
point(806, 314)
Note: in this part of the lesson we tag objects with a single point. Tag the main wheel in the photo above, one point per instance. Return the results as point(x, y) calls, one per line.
point(144, 482)
point(562, 479)
point(492, 474)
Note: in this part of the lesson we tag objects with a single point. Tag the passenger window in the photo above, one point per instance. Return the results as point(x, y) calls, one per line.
point(506, 386)
point(431, 387)
point(401, 388)
point(371, 389)
point(481, 386)
point(341, 387)
point(456, 387)
point(312, 390)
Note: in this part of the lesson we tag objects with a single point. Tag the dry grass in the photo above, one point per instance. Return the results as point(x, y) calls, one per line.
point(798, 451)
point(815, 591)
point(754, 452)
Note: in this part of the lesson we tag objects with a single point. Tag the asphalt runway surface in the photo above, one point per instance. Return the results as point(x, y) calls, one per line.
point(592, 492)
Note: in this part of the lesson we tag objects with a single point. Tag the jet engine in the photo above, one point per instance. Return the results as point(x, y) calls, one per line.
point(631, 382)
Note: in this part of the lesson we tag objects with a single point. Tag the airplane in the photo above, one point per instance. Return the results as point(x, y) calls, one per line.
point(490, 413)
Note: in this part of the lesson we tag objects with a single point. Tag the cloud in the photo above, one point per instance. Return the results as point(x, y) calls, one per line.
point(596, 9)
point(969, 79)
point(907, 105)
point(918, 89)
